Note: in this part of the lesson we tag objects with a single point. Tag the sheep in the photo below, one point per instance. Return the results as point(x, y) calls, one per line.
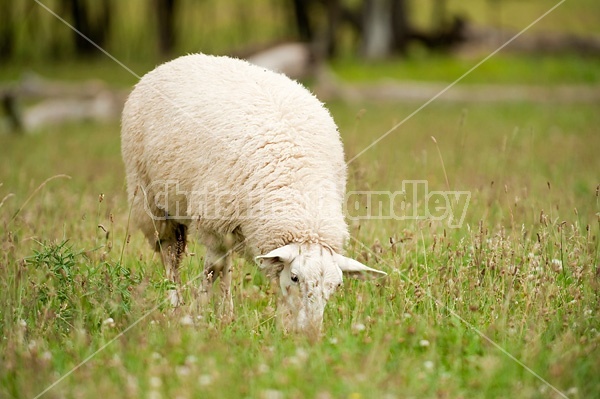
point(245, 159)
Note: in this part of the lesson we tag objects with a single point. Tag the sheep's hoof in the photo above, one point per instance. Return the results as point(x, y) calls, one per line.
point(227, 317)
point(226, 313)
point(175, 298)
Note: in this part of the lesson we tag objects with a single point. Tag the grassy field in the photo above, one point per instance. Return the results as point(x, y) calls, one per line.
point(505, 305)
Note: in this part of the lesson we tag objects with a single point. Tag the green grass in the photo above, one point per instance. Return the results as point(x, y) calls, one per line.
point(521, 271)
point(520, 275)
point(501, 69)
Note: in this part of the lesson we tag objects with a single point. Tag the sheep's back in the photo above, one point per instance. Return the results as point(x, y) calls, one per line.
point(215, 124)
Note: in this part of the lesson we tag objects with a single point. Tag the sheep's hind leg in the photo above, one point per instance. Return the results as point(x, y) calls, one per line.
point(172, 245)
point(226, 300)
point(218, 264)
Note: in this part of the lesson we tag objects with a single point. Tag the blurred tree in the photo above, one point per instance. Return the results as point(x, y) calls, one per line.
point(165, 13)
point(336, 12)
point(303, 23)
point(401, 28)
point(377, 29)
point(383, 26)
point(7, 34)
point(91, 19)
point(386, 28)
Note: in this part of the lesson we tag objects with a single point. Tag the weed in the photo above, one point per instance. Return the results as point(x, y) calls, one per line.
point(520, 273)
point(68, 290)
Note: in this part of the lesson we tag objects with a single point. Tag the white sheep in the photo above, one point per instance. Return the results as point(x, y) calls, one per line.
point(249, 160)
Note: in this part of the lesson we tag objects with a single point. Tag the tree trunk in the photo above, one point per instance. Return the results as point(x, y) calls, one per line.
point(303, 20)
point(400, 26)
point(7, 28)
point(165, 14)
point(334, 15)
point(377, 31)
point(95, 27)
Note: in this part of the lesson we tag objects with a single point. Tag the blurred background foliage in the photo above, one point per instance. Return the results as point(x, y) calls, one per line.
point(330, 43)
point(523, 270)
point(152, 30)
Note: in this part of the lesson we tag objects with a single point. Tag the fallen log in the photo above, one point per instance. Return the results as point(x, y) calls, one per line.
point(58, 102)
point(329, 88)
point(295, 60)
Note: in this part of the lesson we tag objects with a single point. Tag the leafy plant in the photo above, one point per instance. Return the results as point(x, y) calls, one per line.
point(74, 290)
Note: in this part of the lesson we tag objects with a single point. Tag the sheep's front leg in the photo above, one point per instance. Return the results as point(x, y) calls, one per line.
point(172, 249)
point(218, 264)
point(226, 300)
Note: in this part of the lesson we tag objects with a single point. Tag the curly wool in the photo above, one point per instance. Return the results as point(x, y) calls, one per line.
point(229, 147)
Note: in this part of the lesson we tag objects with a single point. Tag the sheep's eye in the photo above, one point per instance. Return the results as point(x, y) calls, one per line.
point(294, 278)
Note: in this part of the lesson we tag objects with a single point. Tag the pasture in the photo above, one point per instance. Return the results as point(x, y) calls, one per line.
point(503, 303)
point(489, 309)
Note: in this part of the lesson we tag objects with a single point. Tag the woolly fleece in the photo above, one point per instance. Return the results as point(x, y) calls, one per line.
point(223, 146)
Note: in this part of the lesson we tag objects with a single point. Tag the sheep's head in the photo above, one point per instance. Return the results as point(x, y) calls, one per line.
point(308, 274)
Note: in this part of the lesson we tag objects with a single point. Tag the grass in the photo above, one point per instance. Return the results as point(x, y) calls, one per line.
point(521, 272)
point(461, 307)
point(502, 69)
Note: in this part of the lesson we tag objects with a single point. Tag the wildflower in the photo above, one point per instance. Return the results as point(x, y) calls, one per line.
point(155, 382)
point(186, 321)
point(262, 368)
point(204, 380)
point(110, 322)
point(191, 359)
point(271, 394)
point(556, 265)
point(182, 371)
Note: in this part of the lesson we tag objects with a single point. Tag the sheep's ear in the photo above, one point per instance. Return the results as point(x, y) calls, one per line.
point(354, 268)
point(285, 254)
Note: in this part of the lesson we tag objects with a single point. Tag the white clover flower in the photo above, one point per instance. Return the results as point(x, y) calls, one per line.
point(191, 359)
point(155, 382)
point(182, 371)
point(262, 368)
point(110, 322)
point(272, 394)
point(205, 379)
point(556, 265)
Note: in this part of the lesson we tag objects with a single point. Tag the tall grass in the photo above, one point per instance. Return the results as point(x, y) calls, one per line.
point(506, 305)
point(518, 282)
